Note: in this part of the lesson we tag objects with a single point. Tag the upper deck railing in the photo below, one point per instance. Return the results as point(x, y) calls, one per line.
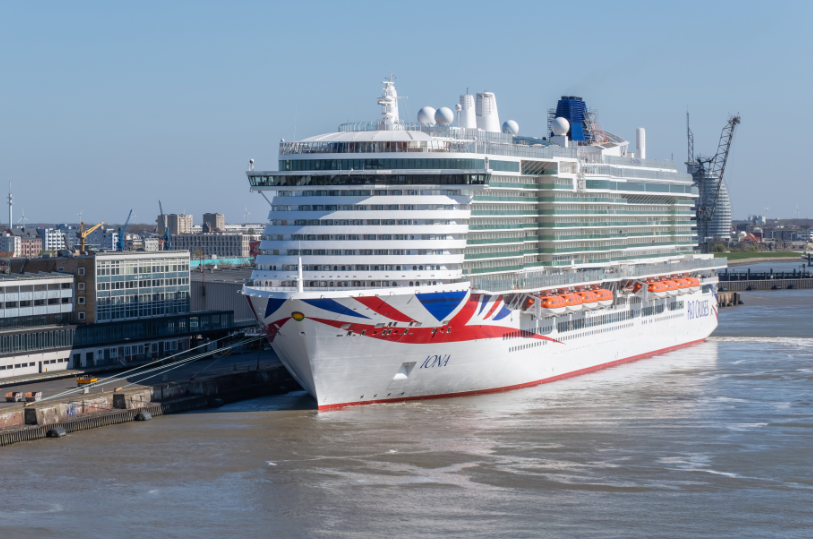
point(429, 146)
point(595, 158)
point(540, 280)
point(632, 172)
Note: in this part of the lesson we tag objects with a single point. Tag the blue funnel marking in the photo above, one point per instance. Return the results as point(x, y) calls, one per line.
point(273, 306)
point(505, 311)
point(486, 299)
point(333, 306)
point(441, 304)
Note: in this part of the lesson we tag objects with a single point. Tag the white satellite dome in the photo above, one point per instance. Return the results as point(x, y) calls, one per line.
point(510, 127)
point(444, 115)
point(458, 107)
point(426, 115)
point(560, 126)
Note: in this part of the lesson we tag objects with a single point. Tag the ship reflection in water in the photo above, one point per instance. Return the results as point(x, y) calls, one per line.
point(707, 441)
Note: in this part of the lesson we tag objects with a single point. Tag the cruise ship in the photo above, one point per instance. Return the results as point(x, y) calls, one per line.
point(453, 256)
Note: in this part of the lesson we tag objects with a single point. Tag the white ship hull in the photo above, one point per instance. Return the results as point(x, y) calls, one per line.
point(347, 350)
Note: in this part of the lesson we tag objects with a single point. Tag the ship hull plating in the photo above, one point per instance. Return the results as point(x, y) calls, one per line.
point(417, 346)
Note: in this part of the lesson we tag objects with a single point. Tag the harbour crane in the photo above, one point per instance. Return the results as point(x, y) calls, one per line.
point(122, 232)
point(711, 168)
point(165, 224)
point(83, 234)
point(720, 160)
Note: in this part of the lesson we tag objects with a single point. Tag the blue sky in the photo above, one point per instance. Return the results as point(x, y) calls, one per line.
point(110, 106)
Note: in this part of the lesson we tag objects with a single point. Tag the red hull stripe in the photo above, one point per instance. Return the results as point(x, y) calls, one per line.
point(383, 308)
point(518, 386)
point(428, 335)
point(253, 311)
point(273, 328)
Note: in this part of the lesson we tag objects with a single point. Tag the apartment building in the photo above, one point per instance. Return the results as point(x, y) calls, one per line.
point(175, 223)
point(216, 221)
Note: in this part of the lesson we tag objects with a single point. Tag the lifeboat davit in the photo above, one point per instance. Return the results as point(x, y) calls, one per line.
point(605, 297)
point(552, 305)
point(589, 299)
point(573, 303)
point(628, 288)
point(694, 284)
point(671, 288)
point(657, 289)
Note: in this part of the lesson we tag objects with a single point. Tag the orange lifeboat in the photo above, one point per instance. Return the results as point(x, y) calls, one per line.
point(683, 285)
point(657, 289)
point(694, 284)
point(605, 297)
point(552, 305)
point(671, 287)
point(528, 303)
point(573, 302)
point(589, 299)
point(638, 287)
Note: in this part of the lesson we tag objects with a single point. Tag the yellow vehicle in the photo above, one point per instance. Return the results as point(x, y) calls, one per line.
point(85, 380)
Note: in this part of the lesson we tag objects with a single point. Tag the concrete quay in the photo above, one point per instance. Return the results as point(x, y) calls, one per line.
point(231, 383)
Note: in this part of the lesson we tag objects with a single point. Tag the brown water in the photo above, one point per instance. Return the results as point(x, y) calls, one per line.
point(711, 441)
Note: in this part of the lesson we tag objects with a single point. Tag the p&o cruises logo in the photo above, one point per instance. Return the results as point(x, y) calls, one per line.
point(698, 309)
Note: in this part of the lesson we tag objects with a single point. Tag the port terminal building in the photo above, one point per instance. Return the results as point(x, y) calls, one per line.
point(103, 310)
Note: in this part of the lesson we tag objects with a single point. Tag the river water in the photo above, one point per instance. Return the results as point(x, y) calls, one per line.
point(715, 440)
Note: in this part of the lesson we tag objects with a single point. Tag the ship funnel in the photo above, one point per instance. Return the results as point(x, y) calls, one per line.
point(466, 117)
point(640, 143)
point(487, 117)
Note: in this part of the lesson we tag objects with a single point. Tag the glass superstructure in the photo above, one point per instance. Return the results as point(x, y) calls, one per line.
point(388, 204)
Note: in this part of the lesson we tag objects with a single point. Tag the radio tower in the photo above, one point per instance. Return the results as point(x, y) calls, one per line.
point(10, 203)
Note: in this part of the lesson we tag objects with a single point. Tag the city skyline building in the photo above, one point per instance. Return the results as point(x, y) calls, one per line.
point(216, 221)
point(175, 223)
point(218, 244)
point(719, 227)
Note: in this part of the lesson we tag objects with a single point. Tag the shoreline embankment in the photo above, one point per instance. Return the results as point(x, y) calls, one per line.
point(751, 261)
point(77, 412)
